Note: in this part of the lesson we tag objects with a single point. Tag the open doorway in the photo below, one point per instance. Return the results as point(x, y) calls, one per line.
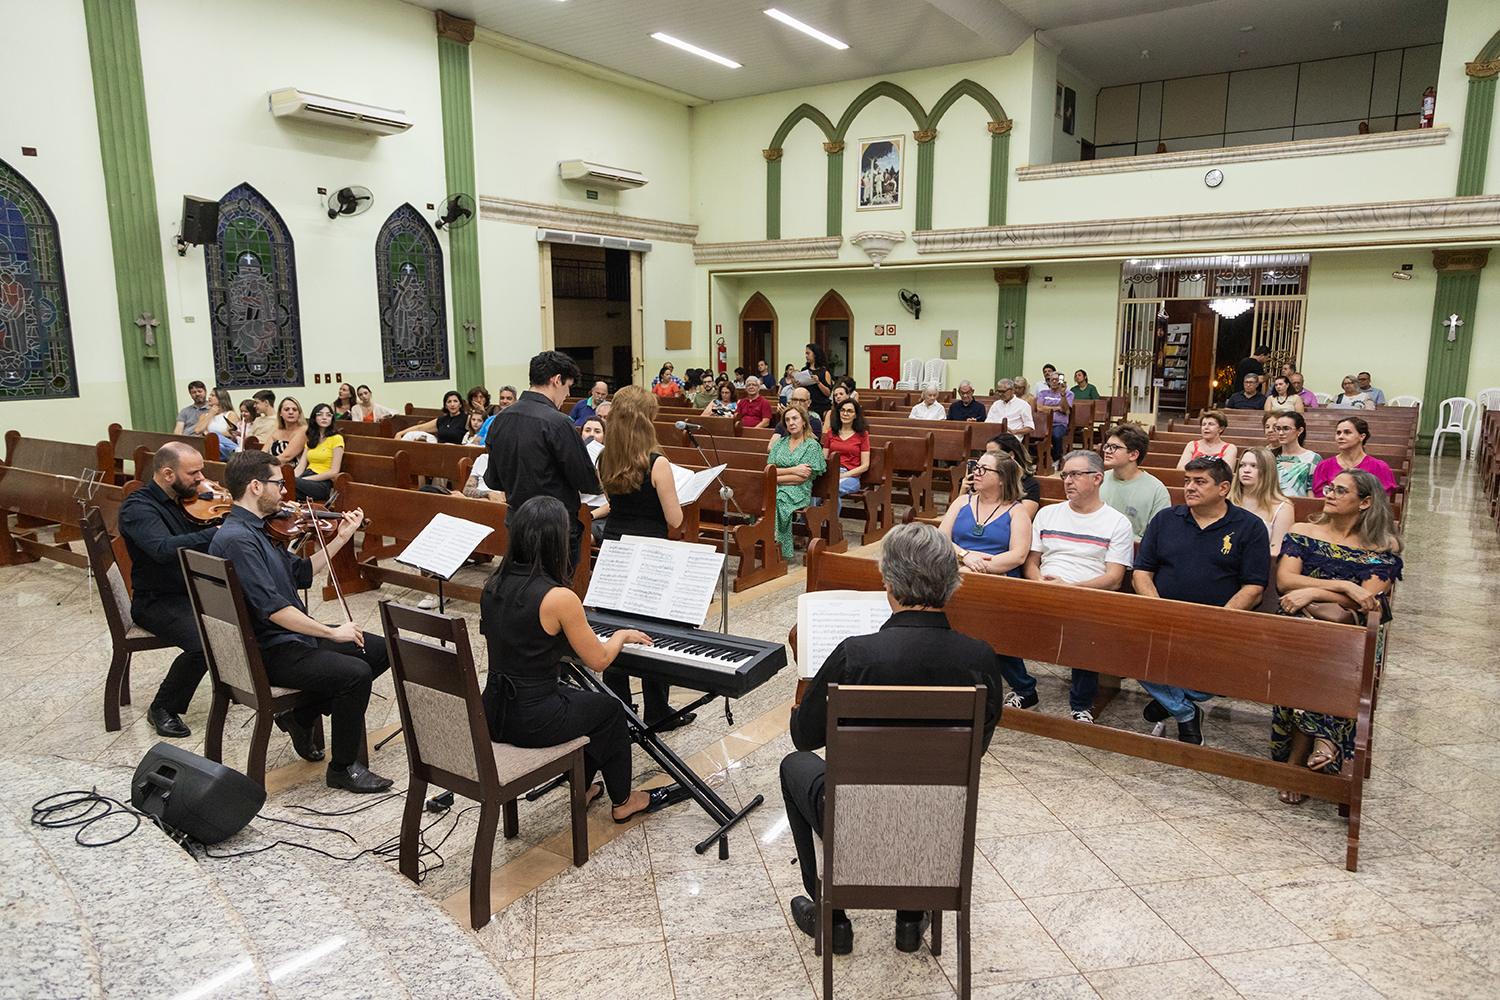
point(832, 321)
point(758, 333)
point(591, 314)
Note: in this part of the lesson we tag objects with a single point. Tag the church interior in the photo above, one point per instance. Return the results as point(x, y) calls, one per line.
point(1147, 191)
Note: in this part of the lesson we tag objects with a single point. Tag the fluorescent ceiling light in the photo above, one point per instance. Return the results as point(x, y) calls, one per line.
point(662, 36)
point(806, 29)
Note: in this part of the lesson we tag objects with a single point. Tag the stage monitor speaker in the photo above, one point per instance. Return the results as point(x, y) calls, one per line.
point(200, 220)
point(191, 794)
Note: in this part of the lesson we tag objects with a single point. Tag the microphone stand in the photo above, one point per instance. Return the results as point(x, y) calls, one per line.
point(726, 497)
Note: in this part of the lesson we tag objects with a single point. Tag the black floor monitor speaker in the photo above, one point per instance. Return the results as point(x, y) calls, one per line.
point(207, 801)
point(200, 221)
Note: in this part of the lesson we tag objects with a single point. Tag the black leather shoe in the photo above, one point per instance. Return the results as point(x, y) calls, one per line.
point(677, 723)
point(1156, 712)
point(357, 778)
point(805, 913)
point(909, 932)
point(1191, 732)
point(167, 723)
point(302, 736)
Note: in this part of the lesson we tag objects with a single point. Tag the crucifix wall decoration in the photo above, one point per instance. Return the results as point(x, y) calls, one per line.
point(1453, 323)
point(148, 326)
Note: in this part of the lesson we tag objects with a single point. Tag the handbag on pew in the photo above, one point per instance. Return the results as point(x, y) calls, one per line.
point(1329, 611)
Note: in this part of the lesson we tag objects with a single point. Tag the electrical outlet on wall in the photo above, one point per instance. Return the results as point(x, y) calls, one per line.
point(327, 378)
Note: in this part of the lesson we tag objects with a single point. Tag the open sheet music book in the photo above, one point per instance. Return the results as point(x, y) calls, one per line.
point(690, 485)
point(655, 577)
point(828, 617)
point(442, 546)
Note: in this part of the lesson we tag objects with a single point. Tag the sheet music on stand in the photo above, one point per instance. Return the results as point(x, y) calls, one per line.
point(441, 547)
point(690, 485)
point(655, 577)
point(828, 617)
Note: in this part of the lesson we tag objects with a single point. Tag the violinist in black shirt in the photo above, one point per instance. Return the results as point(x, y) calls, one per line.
point(154, 527)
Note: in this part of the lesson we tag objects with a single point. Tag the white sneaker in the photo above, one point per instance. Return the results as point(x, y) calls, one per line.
point(1083, 716)
point(428, 603)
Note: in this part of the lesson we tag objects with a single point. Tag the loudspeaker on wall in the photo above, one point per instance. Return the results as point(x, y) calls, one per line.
point(200, 220)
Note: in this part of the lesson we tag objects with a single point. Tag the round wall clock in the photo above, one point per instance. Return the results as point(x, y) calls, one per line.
point(1214, 178)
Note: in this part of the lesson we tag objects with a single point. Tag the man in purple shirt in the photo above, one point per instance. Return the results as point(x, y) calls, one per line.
point(1058, 399)
point(1308, 399)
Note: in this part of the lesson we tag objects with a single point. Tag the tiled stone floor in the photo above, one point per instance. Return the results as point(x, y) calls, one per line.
point(1098, 875)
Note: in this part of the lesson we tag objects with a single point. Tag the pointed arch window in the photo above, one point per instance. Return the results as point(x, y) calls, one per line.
point(36, 337)
point(413, 310)
point(252, 295)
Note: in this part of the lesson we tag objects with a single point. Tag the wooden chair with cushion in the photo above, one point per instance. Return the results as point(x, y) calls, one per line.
point(128, 637)
point(448, 744)
point(900, 799)
point(234, 665)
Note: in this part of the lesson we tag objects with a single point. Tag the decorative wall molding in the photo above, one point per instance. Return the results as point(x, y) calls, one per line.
point(1012, 275)
point(878, 243)
point(1238, 154)
point(1399, 216)
point(530, 213)
point(833, 147)
point(1460, 261)
point(775, 152)
point(924, 134)
point(1480, 70)
point(454, 28)
point(1000, 128)
point(808, 248)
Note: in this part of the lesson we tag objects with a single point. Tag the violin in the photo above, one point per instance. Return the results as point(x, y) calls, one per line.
point(210, 506)
point(298, 522)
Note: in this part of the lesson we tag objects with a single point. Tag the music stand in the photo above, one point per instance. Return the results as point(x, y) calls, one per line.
point(88, 485)
point(726, 497)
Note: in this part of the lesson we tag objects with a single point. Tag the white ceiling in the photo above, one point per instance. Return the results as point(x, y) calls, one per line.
point(1102, 39)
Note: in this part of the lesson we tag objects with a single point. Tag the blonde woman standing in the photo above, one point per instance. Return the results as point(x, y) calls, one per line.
point(1256, 488)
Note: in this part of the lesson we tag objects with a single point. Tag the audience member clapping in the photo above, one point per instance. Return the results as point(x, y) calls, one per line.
point(1256, 489)
point(1211, 443)
point(989, 526)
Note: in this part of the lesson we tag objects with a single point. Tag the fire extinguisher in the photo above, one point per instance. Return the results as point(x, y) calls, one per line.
point(723, 356)
point(1429, 107)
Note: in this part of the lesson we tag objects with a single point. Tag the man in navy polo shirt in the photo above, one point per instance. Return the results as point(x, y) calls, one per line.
point(1205, 551)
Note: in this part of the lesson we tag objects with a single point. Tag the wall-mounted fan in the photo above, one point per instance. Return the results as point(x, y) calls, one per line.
point(912, 301)
point(458, 211)
point(349, 201)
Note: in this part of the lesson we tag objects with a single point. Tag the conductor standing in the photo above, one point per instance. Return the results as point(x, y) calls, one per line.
point(536, 451)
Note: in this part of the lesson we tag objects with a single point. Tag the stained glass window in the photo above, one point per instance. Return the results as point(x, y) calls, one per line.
point(252, 295)
point(413, 312)
point(36, 339)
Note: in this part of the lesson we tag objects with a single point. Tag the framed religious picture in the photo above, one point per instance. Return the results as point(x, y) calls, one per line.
point(1070, 110)
point(880, 173)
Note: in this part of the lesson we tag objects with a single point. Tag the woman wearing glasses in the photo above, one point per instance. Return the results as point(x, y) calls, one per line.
point(1294, 463)
point(990, 528)
point(1348, 556)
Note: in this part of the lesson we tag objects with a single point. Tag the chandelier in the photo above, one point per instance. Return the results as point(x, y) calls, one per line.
point(1230, 308)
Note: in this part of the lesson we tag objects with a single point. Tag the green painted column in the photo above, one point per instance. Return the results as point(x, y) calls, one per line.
point(1010, 323)
point(134, 223)
point(999, 169)
point(1479, 119)
point(835, 151)
point(773, 192)
point(1457, 294)
point(454, 36)
point(925, 153)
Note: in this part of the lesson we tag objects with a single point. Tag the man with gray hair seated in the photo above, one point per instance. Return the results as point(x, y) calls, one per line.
point(966, 407)
point(1012, 409)
point(916, 646)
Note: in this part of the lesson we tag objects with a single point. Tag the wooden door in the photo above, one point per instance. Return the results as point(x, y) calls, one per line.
point(1201, 358)
point(758, 333)
point(832, 326)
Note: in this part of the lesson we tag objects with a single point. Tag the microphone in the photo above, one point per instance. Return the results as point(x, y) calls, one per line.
point(683, 425)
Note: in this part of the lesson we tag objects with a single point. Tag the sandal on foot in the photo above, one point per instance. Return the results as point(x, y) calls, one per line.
point(1325, 754)
point(1290, 797)
point(595, 790)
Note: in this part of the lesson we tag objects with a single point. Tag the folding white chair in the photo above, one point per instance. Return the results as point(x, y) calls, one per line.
point(935, 373)
point(911, 372)
point(1322, 398)
point(1406, 401)
point(883, 382)
point(1455, 416)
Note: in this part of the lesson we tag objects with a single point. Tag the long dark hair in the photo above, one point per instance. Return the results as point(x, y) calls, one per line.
point(454, 394)
point(820, 360)
point(1012, 446)
point(315, 434)
point(538, 544)
point(1299, 421)
point(858, 425)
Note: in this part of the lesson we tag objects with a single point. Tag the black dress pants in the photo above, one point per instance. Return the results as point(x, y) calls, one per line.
point(340, 670)
point(314, 489)
point(562, 715)
point(653, 693)
point(170, 617)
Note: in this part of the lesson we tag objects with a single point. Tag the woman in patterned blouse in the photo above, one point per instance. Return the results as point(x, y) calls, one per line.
point(1349, 556)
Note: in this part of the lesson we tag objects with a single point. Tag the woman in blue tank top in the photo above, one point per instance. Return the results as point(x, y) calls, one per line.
point(990, 529)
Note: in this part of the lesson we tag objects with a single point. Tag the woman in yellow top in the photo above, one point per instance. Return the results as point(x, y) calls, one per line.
point(318, 466)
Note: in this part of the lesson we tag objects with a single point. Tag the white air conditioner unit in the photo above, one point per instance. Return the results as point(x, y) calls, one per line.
point(600, 175)
point(299, 104)
point(592, 240)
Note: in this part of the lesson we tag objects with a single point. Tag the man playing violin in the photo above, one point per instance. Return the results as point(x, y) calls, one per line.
point(154, 527)
point(299, 651)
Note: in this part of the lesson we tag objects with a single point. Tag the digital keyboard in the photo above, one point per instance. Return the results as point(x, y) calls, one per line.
point(722, 665)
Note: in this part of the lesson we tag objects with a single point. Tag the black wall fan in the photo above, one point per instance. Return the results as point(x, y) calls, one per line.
point(458, 211)
point(349, 201)
point(912, 301)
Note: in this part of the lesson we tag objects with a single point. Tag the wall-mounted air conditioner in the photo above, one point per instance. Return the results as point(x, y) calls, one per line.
point(302, 106)
point(592, 240)
point(600, 175)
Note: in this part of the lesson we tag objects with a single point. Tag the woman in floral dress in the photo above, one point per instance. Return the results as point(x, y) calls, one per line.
point(798, 459)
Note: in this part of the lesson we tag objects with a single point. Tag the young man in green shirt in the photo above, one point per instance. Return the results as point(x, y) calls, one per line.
point(1127, 487)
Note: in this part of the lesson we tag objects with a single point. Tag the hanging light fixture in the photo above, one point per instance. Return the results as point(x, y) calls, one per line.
point(1230, 308)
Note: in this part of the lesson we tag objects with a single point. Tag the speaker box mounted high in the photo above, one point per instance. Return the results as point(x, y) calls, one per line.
point(200, 220)
point(193, 795)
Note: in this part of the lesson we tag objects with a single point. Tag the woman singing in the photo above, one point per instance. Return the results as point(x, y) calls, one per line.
point(532, 619)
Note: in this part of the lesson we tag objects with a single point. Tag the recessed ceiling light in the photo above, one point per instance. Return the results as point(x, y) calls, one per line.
point(1248, 27)
point(806, 29)
point(662, 36)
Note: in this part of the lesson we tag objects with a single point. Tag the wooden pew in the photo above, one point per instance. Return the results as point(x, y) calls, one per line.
point(1313, 665)
point(398, 516)
point(42, 498)
point(912, 468)
point(358, 428)
point(819, 521)
point(424, 458)
point(125, 441)
point(60, 458)
point(752, 535)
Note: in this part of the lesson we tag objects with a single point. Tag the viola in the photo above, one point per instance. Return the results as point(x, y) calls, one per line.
point(297, 522)
point(210, 506)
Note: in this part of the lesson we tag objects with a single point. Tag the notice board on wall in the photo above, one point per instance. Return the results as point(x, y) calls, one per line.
point(679, 334)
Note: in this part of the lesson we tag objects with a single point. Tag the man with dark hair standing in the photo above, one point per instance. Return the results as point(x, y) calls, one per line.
point(535, 450)
point(1255, 365)
point(300, 652)
point(187, 417)
point(154, 528)
point(1204, 551)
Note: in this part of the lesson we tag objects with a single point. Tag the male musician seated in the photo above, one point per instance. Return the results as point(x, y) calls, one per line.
point(299, 651)
point(915, 646)
point(154, 527)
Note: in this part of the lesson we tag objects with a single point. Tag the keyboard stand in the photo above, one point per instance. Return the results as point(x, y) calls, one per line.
point(688, 782)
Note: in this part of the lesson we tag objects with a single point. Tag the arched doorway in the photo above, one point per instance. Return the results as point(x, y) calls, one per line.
point(832, 322)
point(758, 334)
